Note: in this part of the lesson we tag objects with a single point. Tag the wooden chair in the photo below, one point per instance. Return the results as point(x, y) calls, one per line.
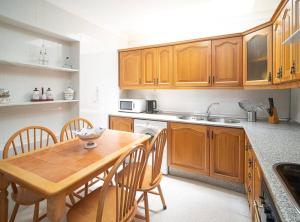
point(74, 124)
point(67, 134)
point(26, 140)
point(152, 175)
point(113, 203)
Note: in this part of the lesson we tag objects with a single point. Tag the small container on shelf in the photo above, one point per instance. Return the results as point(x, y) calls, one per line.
point(43, 96)
point(49, 94)
point(35, 95)
point(4, 96)
point(68, 63)
point(69, 93)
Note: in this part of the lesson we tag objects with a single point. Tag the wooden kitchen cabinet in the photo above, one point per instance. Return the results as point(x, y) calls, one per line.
point(248, 181)
point(157, 67)
point(296, 47)
point(188, 147)
point(130, 69)
point(227, 152)
point(257, 64)
point(121, 123)
point(192, 64)
point(253, 180)
point(283, 54)
point(277, 51)
point(227, 62)
point(287, 60)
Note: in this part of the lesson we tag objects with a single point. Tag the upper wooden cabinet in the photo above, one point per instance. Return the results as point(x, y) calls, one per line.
point(157, 67)
point(227, 62)
point(130, 68)
point(287, 60)
point(277, 51)
point(149, 66)
point(188, 146)
point(192, 64)
point(227, 152)
point(257, 65)
point(296, 47)
point(121, 123)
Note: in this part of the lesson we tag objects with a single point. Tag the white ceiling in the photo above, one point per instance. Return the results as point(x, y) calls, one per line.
point(150, 21)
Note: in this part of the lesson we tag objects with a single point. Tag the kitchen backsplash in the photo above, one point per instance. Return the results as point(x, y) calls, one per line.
point(295, 105)
point(198, 100)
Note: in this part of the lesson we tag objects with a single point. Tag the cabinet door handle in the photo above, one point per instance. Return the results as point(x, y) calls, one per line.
point(156, 81)
point(293, 68)
point(208, 134)
point(213, 79)
point(212, 135)
point(209, 79)
point(270, 77)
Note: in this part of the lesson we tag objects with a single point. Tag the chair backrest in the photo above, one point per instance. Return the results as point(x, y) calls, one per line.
point(126, 184)
point(73, 125)
point(156, 153)
point(28, 139)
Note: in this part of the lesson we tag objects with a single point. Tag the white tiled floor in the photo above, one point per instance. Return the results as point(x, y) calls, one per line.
point(187, 201)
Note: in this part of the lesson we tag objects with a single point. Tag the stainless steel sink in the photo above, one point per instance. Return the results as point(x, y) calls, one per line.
point(289, 174)
point(194, 117)
point(223, 120)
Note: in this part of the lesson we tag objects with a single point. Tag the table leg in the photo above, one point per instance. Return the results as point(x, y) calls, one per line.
point(3, 199)
point(56, 207)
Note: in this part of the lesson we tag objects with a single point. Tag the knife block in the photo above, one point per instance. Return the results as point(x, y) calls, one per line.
point(273, 119)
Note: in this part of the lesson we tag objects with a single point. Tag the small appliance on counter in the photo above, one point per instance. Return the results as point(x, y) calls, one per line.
point(151, 106)
point(132, 105)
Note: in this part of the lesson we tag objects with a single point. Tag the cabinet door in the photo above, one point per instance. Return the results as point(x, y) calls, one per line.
point(130, 68)
point(188, 147)
point(287, 49)
point(121, 123)
point(257, 178)
point(296, 47)
point(227, 152)
point(165, 66)
point(258, 57)
point(227, 62)
point(192, 64)
point(277, 51)
point(149, 66)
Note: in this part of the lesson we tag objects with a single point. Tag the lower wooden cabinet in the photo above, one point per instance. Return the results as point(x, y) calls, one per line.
point(121, 123)
point(189, 147)
point(253, 180)
point(227, 151)
point(214, 151)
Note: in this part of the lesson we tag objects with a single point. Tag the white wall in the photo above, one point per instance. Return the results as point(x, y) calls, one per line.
point(198, 100)
point(295, 105)
point(98, 56)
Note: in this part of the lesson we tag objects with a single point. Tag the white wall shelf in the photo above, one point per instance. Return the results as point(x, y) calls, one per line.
point(38, 103)
point(37, 66)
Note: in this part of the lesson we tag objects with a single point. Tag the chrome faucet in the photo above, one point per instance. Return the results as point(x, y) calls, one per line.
point(208, 109)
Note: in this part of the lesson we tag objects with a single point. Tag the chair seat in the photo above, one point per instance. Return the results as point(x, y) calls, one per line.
point(147, 181)
point(86, 209)
point(26, 197)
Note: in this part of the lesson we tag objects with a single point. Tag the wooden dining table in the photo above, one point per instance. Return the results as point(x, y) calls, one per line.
point(59, 169)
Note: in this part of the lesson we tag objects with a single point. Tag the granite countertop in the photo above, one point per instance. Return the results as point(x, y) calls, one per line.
point(272, 144)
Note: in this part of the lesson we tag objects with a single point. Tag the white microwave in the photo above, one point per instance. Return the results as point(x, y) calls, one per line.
point(132, 105)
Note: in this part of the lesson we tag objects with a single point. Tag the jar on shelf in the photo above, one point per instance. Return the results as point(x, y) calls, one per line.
point(49, 94)
point(69, 93)
point(35, 95)
point(4, 96)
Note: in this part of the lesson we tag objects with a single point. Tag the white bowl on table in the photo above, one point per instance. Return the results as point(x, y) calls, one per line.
point(89, 135)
